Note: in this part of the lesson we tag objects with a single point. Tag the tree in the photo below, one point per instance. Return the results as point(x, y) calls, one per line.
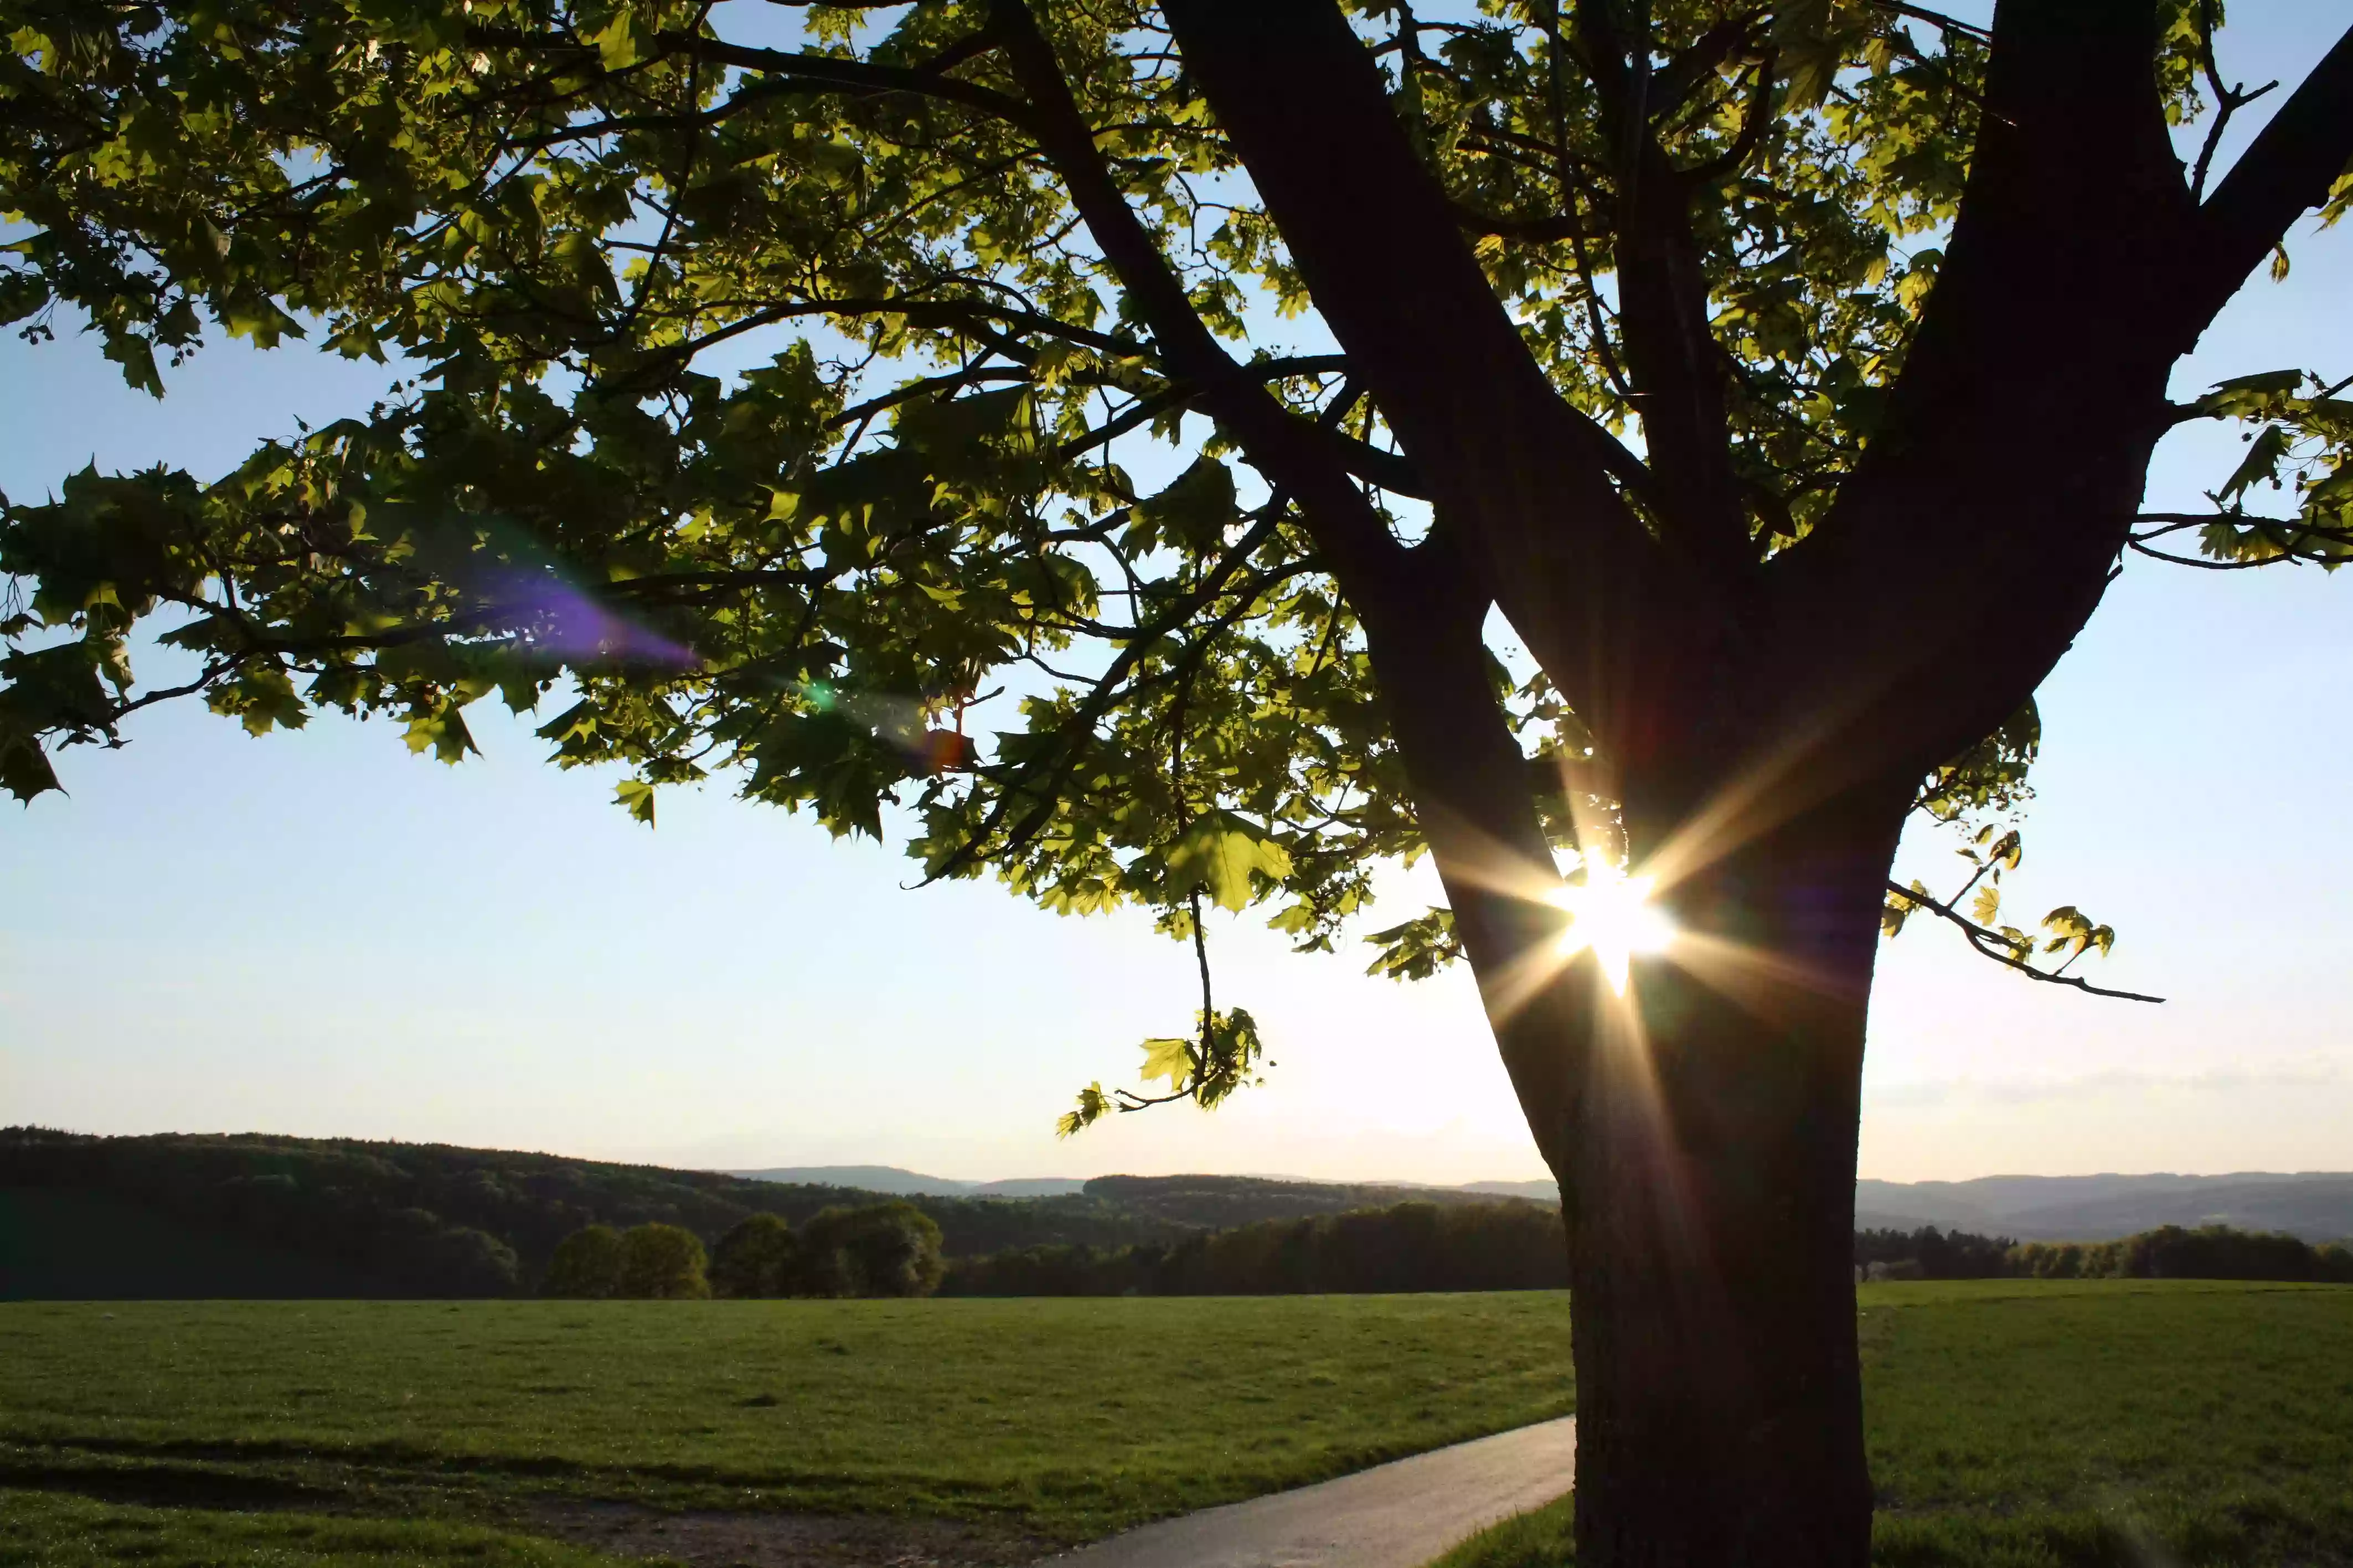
point(1781, 376)
point(661, 1263)
point(878, 1249)
point(757, 1258)
point(587, 1265)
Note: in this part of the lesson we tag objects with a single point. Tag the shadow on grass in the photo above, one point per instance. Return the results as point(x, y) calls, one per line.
point(170, 1486)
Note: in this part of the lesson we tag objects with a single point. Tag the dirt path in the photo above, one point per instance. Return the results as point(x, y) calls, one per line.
point(1396, 1516)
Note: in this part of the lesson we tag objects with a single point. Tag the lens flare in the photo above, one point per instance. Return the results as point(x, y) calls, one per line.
point(1611, 913)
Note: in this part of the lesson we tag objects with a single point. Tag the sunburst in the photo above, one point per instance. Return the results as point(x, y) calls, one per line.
point(1611, 912)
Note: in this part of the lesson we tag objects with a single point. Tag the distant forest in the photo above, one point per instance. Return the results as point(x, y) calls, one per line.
point(188, 1215)
point(1516, 1246)
point(181, 1215)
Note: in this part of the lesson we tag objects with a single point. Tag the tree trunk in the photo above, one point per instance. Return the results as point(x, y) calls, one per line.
point(1710, 1199)
point(1703, 1128)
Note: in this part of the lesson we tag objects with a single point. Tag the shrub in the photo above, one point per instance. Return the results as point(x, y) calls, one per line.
point(759, 1258)
point(587, 1265)
point(662, 1263)
point(458, 1260)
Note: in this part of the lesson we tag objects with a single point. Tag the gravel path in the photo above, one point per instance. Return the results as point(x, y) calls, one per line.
point(1398, 1515)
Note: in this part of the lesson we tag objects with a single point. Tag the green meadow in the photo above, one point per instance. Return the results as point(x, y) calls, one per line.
point(2011, 1422)
point(1064, 1418)
point(2118, 1424)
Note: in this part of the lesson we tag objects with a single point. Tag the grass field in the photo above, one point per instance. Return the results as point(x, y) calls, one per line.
point(2011, 1424)
point(1067, 1418)
point(2105, 1425)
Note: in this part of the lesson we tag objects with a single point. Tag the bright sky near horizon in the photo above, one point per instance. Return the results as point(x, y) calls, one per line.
point(319, 933)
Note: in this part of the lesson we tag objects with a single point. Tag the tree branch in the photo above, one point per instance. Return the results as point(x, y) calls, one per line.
point(826, 73)
point(1505, 459)
point(1538, 230)
point(2228, 101)
point(1994, 945)
point(2294, 535)
point(1934, 18)
point(1672, 358)
point(2284, 174)
point(2073, 185)
point(1292, 452)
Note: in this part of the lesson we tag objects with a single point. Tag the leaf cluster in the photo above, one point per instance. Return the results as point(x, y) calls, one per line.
point(768, 411)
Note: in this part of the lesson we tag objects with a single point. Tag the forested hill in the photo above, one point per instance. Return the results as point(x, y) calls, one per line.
point(181, 1214)
point(336, 1216)
point(2316, 1205)
point(1220, 1203)
point(252, 1214)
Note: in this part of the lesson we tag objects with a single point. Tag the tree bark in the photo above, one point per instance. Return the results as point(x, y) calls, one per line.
point(1710, 1199)
point(1703, 1128)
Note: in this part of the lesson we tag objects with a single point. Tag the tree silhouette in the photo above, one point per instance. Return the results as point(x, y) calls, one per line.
point(1779, 378)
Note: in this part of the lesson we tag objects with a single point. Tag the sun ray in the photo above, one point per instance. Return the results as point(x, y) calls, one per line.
point(1610, 913)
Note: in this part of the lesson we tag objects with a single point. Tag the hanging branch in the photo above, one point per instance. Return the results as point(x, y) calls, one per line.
point(2000, 948)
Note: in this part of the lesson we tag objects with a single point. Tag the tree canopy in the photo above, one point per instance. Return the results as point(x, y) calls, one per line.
point(915, 416)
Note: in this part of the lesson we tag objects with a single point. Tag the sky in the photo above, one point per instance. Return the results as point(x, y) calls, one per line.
point(319, 933)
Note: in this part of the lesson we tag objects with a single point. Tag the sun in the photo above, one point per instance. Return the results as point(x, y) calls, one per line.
point(1611, 913)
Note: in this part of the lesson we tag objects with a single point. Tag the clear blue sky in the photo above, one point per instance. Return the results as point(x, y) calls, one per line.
point(319, 933)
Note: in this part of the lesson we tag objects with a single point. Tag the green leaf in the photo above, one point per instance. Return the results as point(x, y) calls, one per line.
point(1220, 854)
point(443, 731)
point(2265, 452)
point(1169, 1058)
point(137, 358)
point(1417, 949)
point(2252, 395)
point(1196, 510)
point(24, 770)
point(637, 797)
point(1092, 1107)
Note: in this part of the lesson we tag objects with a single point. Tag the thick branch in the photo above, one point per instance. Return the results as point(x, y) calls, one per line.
point(1670, 352)
point(1505, 459)
point(1912, 611)
point(2285, 172)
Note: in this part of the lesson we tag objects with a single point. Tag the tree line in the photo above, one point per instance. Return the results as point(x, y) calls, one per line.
point(437, 1221)
point(2174, 1252)
point(874, 1249)
point(1408, 1247)
point(1416, 1246)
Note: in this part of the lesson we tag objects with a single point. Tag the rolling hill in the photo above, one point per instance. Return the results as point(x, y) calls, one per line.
point(175, 1216)
point(904, 1182)
point(2315, 1205)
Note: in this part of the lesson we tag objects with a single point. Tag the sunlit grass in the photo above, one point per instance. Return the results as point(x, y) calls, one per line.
point(1066, 1417)
point(2093, 1424)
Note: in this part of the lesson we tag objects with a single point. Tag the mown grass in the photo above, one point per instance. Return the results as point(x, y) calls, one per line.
point(2095, 1424)
point(1070, 1418)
